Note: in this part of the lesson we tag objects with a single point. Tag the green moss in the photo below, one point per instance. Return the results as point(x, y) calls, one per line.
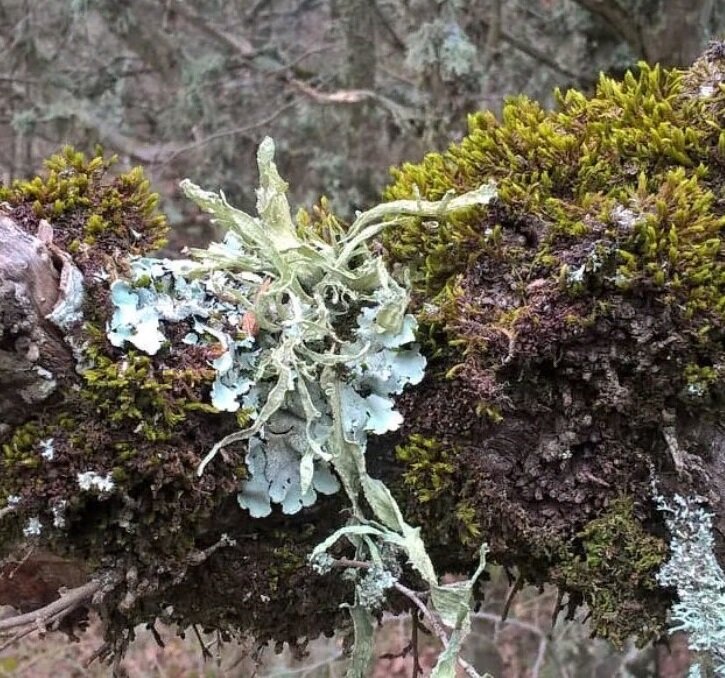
point(615, 573)
point(20, 451)
point(134, 390)
point(469, 529)
point(319, 221)
point(641, 145)
point(89, 207)
point(698, 375)
point(429, 466)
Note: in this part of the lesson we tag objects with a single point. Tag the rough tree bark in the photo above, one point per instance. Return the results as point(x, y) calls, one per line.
point(575, 354)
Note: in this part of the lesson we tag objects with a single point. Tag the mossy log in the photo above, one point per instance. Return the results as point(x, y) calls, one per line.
point(574, 333)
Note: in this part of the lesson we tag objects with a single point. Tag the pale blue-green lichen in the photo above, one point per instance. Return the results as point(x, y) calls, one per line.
point(297, 289)
point(324, 384)
point(694, 572)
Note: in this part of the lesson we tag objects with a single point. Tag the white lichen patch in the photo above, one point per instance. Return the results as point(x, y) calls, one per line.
point(694, 572)
point(58, 511)
point(90, 481)
point(47, 451)
point(69, 308)
point(33, 527)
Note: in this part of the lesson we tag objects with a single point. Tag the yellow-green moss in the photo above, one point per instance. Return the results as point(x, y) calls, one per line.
point(647, 145)
point(133, 390)
point(615, 573)
point(429, 466)
point(89, 207)
point(21, 450)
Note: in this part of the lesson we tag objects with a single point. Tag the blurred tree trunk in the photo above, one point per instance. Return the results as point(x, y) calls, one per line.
point(357, 19)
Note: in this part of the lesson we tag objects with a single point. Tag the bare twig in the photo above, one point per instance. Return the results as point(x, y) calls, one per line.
point(397, 41)
point(417, 671)
point(56, 610)
point(22, 562)
point(6, 511)
point(200, 556)
point(234, 131)
point(557, 608)
point(536, 54)
point(101, 652)
point(354, 96)
point(237, 43)
point(204, 648)
point(17, 637)
point(493, 37)
point(157, 636)
point(518, 585)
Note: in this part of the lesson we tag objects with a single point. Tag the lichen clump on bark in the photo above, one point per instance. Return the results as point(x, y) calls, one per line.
point(106, 473)
point(576, 322)
point(574, 332)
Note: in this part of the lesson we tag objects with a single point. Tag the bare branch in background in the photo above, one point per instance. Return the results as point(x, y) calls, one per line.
point(56, 611)
point(235, 131)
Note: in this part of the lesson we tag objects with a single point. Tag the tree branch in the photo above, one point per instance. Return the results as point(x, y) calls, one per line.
point(238, 44)
point(56, 610)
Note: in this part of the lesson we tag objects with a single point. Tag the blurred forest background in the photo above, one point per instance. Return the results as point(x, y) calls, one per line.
point(347, 88)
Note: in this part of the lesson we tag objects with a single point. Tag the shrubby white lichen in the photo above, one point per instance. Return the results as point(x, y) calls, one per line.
point(694, 572)
point(47, 450)
point(58, 511)
point(33, 527)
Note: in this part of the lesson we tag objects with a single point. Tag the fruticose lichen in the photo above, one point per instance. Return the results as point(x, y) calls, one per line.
point(265, 361)
point(694, 572)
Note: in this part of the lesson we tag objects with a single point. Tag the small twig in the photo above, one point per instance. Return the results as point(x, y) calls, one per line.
point(417, 671)
point(397, 655)
point(205, 654)
point(234, 131)
point(557, 608)
point(22, 562)
point(100, 652)
point(395, 38)
point(200, 556)
point(56, 610)
point(494, 31)
point(17, 637)
point(157, 636)
point(518, 585)
point(435, 625)
point(6, 510)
